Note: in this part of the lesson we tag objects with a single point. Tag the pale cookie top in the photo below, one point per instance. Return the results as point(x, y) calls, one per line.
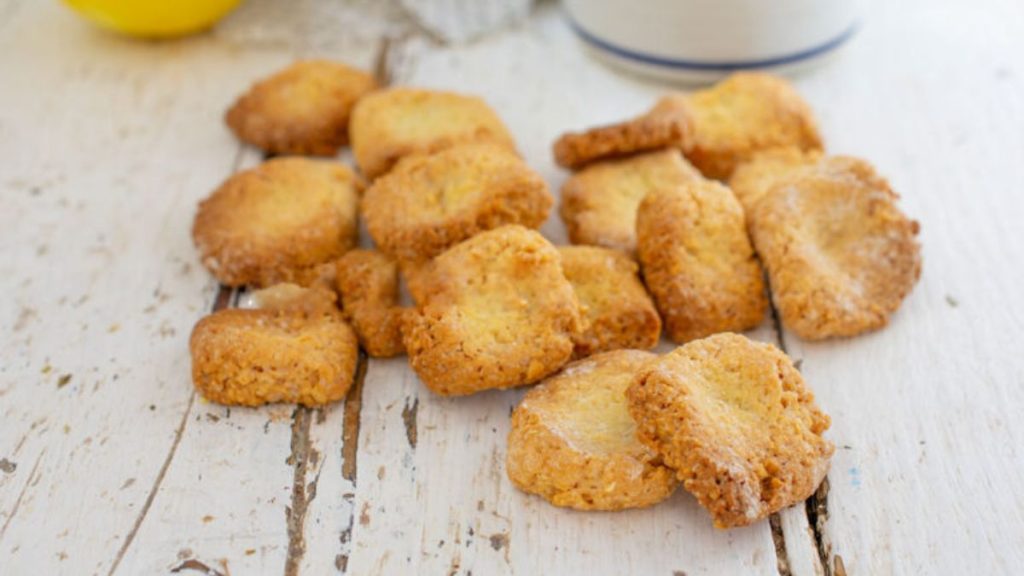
point(599, 202)
point(840, 254)
point(743, 114)
point(430, 202)
point(574, 442)
point(396, 122)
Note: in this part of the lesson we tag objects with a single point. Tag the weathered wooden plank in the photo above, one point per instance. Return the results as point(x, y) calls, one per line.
point(135, 138)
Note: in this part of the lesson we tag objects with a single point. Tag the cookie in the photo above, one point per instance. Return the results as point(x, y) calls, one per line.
point(276, 222)
point(303, 109)
point(255, 357)
point(368, 283)
point(840, 255)
point(746, 113)
point(735, 420)
point(618, 312)
point(697, 261)
point(286, 296)
point(751, 180)
point(390, 124)
point(492, 312)
point(573, 441)
point(661, 127)
point(430, 202)
point(599, 202)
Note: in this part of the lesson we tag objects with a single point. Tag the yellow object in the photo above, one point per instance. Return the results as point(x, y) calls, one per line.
point(154, 18)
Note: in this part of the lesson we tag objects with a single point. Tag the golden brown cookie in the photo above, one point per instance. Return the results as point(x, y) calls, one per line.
point(599, 202)
point(574, 443)
point(697, 261)
point(255, 357)
point(751, 180)
point(431, 202)
point(617, 310)
point(735, 420)
point(741, 115)
point(840, 255)
point(303, 109)
point(493, 312)
point(661, 127)
point(413, 274)
point(393, 123)
point(368, 283)
point(277, 221)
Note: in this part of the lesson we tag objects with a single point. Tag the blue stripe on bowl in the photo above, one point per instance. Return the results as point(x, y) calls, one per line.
point(720, 66)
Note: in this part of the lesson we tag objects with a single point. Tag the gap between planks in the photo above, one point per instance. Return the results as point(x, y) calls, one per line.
point(815, 507)
point(386, 60)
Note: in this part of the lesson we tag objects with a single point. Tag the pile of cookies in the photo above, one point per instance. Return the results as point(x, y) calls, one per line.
point(680, 216)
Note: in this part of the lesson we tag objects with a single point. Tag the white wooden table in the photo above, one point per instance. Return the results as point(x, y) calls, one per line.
point(109, 463)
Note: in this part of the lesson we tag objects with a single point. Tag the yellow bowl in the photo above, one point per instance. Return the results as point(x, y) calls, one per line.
point(154, 18)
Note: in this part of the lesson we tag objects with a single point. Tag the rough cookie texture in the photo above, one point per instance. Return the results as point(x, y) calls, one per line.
point(368, 283)
point(303, 109)
point(574, 443)
point(741, 115)
point(429, 203)
point(618, 311)
point(277, 221)
point(697, 261)
point(840, 255)
point(735, 420)
point(254, 357)
point(661, 127)
point(599, 203)
point(493, 312)
point(751, 180)
point(393, 123)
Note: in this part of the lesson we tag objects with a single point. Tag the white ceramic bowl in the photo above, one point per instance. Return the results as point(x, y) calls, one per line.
point(703, 40)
